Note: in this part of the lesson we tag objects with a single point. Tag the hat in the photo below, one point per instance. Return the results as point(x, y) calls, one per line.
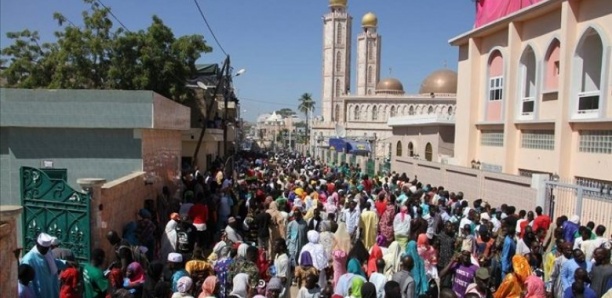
point(44, 240)
point(175, 216)
point(55, 241)
point(485, 216)
point(575, 219)
point(482, 273)
point(175, 257)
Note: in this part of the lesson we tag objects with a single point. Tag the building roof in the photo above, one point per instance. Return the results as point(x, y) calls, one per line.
point(441, 81)
point(389, 86)
point(422, 120)
point(90, 109)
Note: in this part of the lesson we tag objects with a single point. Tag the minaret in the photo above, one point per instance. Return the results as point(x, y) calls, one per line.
point(336, 57)
point(368, 55)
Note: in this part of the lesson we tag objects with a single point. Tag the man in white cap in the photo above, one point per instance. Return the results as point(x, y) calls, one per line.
point(45, 283)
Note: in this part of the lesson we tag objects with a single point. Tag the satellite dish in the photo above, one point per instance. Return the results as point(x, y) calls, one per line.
point(202, 85)
point(340, 131)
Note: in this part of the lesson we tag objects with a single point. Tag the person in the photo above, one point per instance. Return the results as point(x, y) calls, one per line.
point(385, 226)
point(378, 278)
point(508, 249)
point(25, 275)
point(392, 289)
point(183, 288)
point(464, 272)
point(340, 251)
point(198, 213)
point(283, 267)
point(210, 287)
point(446, 241)
point(231, 230)
point(351, 216)
point(480, 285)
point(310, 289)
point(226, 258)
point(556, 287)
point(375, 254)
point(368, 223)
point(94, 282)
point(418, 271)
point(315, 222)
point(277, 226)
point(578, 287)
point(541, 221)
point(145, 232)
point(45, 267)
point(392, 259)
point(275, 288)
point(355, 289)
point(198, 267)
point(246, 263)
point(428, 254)
point(570, 227)
point(305, 268)
point(318, 254)
point(569, 267)
point(176, 267)
point(123, 250)
point(169, 238)
point(535, 287)
point(601, 273)
point(404, 278)
point(60, 253)
point(154, 285)
point(241, 287)
point(69, 282)
point(296, 235)
point(513, 283)
point(401, 227)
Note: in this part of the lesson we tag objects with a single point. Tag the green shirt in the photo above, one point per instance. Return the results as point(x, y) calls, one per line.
point(95, 283)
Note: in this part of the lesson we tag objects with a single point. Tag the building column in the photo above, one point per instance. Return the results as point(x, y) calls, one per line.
point(8, 244)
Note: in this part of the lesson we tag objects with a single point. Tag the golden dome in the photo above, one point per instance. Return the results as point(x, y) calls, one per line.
point(369, 20)
point(336, 3)
point(442, 81)
point(389, 86)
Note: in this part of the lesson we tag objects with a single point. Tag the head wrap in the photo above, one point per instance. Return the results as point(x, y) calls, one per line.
point(138, 274)
point(313, 237)
point(175, 257)
point(208, 287)
point(242, 250)
point(306, 259)
point(275, 284)
point(183, 285)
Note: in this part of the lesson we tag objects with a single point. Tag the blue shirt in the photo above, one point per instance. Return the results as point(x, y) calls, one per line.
point(507, 253)
point(567, 272)
point(588, 293)
point(45, 283)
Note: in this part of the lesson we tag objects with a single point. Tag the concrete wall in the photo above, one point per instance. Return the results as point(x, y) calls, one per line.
point(161, 155)
point(100, 153)
point(8, 243)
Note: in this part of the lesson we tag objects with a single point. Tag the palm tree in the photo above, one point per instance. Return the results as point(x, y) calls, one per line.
point(306, 106)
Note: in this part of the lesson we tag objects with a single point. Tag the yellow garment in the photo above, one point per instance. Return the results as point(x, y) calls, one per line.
point(512, 286)
point(299, 192)
point(195, 266)
point(368, 222)
point(548, 263)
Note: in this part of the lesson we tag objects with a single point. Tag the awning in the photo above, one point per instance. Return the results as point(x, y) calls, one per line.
point(355, 147)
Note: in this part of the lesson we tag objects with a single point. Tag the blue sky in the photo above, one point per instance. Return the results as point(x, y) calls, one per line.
point(278, 42)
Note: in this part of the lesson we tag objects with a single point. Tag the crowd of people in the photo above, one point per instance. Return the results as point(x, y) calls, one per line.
point(327, 231)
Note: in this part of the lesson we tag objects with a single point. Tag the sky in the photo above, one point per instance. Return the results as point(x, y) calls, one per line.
point(278, 43)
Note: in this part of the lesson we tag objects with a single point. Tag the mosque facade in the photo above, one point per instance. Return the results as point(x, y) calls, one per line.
point(379, 111)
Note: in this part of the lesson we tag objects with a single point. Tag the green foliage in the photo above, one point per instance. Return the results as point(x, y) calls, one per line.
point(307, 105)
point(285, 112)
point(97, 55)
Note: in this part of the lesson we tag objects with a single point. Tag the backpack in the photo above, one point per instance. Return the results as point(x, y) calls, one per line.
point(182, 240)
point(137, 255)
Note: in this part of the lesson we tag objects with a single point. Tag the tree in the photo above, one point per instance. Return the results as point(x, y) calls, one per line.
point(97, 55)
point(306, 106)
point(285, 112)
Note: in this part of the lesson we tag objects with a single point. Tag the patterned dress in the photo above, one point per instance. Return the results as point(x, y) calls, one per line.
point(222, 271)
point(385, 226)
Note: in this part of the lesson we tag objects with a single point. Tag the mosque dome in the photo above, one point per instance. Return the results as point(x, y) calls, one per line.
point(389, 86)
point(369, 20)
point(338, 3)
point(442, 81)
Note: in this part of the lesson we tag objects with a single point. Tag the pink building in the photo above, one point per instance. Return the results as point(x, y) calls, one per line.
point(535, 92)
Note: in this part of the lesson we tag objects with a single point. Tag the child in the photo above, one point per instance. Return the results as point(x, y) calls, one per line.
point(311, 288)
point(25, 276)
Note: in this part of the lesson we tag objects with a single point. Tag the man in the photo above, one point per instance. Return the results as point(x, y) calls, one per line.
point(541, 221)
point(25, 274)
point(480, 286)
point(232, 230)
point(464, 272)
point(283, 267)
point(60, 252)
point(447, 248)
point(568, 269)
point(368, 223)
point(246, 265)
point(45, 283)
point(379, 279)
point(352, 219)
point(296, 235)
point(392, 289)
point(176, 269)
point(556, 287)
point(95, 283)
point(315, 222)
point(509, 247)
point(601, 274)
point(589, 246)
point(404, 278)
point(262, 221)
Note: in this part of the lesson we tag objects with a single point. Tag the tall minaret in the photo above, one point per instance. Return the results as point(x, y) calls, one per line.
point(368, 55)
point(336, 57)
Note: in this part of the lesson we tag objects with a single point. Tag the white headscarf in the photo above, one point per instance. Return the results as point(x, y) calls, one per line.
point(392, 258)
point(240, 282)
point(183, 285)
point(316, 250)
point(242, 250)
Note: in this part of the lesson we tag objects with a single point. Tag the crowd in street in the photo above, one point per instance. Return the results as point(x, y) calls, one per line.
point(290, 221)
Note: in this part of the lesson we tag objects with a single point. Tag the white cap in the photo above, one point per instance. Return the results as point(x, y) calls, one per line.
point(175, 257)
point(485, 216)
point(44, 240)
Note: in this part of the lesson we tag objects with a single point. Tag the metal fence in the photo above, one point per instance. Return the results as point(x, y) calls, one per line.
point(590, 203)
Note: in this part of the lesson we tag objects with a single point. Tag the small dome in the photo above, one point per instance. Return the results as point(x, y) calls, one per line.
point(274, 117)
point(338, 3)
point(389, 86)
point(442, 81)
point(369, 20)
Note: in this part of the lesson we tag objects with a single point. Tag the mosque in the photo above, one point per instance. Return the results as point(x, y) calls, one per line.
point(379, 111)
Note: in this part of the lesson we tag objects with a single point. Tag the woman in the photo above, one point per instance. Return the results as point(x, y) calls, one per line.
point(374, 256)
point(241, 286)
point(210, 287)
point(360, 253)
point(135, 279)
point(345, 281)
point(183, 287)
point(222, 269)
point(418, 270)
point(513, 284)
point(392, 259)
point(385, 226)
point(342, 247)
point(326, 238)
point(368, 290)
point(428, 254)
point(320, 259)
point(356, 285)
point(401, 226)
point(277, 228)
point(305, 268)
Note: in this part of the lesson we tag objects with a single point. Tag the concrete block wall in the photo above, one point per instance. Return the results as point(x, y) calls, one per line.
point(161, 155)
point(8, 243)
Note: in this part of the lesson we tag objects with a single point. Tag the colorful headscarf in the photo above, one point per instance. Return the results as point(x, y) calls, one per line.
point(138, 274)
point(306, 259)
point(418, 271)
point(208, 287)
point(183, 285)
point(374, 256)
point(354, 267)
point(356, 285)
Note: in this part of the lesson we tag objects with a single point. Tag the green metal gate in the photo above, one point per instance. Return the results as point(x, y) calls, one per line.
point(371, 167)
point(52, 206)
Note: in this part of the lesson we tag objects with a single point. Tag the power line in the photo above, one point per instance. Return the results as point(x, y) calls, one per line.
point(208, 26)
point(113, 15)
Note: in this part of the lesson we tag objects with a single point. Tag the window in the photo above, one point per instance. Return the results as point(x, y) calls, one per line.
point(392, 112)
point(374, 113)
point(430, 110)
point(596, 141)
point(538, 139)
point(493, 138)
point(357, 115)
point(428, 152)
point(398, 148)
point(338, 87)
point(450, 111)
point(410, 149)
point(589, 61)
point(338, 61)
point(339, 34)
point(411, 110)
point(370, 74)
point(551, 75)
point(496, 88)
point(527, 72)
point(337, 113)
point(370, 49)
point(530, 173)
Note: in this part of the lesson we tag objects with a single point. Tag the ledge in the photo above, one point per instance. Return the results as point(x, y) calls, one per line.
point(590, 120)
point(10, 210)
point(489, 123)
point(535, 121)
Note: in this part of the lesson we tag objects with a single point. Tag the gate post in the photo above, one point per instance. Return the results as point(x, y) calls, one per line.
point(93, 187)
point(8, 243)
point(579, 201)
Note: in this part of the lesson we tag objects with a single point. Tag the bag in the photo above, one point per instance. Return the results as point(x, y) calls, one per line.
point(137, 255)
point(182, 241)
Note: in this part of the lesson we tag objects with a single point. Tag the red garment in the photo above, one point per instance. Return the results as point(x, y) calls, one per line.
point(198, 213)
point(541, 221)
point(367, 184)
point(381, 206)
point(263, 265)
point(331, 188)
point(374, 256)
point(69, 280)
point(523, 224)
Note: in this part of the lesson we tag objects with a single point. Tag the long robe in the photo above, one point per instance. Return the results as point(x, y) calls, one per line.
point(45, 283)
point(369, 225)
point(296, 238)
point(168, 239)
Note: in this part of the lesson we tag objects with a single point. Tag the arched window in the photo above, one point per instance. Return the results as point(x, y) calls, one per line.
point(430, 110)
point(357, 114)
point(398, 148)
point(588, 61)
point(337, 113)
point(369, 91)
point(370, 74)
point(411, 110)
point(338, 87)
point(392, 111)
point(410, 149)
point(450, 110)
point(496, 76)
point(339, 34)
point(551, 62)
point(371, 49)
point(374, 113)
point(428, 152)
point(527, 79)
point(338, 61)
